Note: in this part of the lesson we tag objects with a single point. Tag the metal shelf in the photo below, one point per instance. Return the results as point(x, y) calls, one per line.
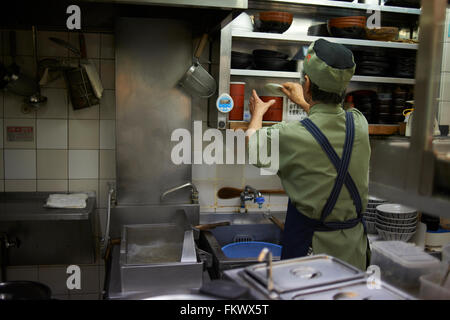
point(296, 75)
point(383, 80)
point(348, 5)
point(308, 39)
point(264, 73)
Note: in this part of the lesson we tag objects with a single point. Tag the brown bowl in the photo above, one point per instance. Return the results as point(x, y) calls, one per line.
point(349, 19)
point(382, 34)
point(269, 15)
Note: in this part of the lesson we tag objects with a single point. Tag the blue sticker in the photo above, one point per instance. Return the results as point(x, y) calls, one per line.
point(224, 103)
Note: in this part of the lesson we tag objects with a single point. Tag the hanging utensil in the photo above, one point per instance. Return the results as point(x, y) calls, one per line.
point(275, 220)
point(36, 99)
point(66, 45)
point(197, 81)
point(80, 88)
point(90, 69)
point(18, 82)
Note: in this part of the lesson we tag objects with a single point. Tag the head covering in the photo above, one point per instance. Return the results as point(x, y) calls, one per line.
point(329, 65)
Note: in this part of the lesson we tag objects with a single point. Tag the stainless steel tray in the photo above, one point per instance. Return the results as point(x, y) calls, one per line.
point(353, 290)
point(307, 272)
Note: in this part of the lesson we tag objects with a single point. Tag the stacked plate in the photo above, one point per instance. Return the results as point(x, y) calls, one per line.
point(370, 215)
point(395, 221)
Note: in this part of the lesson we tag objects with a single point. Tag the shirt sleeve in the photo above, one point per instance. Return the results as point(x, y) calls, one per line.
point(360, 119)
point(263, 146)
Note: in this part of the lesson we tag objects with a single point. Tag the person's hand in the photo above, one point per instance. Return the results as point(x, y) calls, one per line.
point(294, 91)
point(257, 106)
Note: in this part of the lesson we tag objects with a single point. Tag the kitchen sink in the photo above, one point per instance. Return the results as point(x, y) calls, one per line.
point(244, 227)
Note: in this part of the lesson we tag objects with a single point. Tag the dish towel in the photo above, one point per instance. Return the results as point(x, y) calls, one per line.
point(74, 200)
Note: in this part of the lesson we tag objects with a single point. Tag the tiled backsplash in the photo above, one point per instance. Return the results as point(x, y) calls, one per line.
point(71, 150)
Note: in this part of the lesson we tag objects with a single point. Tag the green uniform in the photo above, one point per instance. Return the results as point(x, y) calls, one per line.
point(308, 175)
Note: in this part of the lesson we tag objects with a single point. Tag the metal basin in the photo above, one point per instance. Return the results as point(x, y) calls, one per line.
point(157, 256)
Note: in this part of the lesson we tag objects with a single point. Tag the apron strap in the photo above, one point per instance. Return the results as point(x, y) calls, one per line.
point(343, 168)
point(334, 158)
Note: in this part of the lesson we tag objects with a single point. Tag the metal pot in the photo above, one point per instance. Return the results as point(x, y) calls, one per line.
point(197, 80)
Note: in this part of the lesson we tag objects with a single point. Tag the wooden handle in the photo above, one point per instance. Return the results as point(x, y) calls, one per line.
point(210, 226)
point(229, 193)
point(277, 222)
point(201, 46)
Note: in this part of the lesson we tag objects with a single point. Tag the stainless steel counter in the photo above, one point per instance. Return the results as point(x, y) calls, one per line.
point(29, 206)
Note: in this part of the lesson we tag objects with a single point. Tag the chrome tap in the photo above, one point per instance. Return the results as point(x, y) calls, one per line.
point(251, 194)
point(194, 194)
point(111, 201)
point(266, 255)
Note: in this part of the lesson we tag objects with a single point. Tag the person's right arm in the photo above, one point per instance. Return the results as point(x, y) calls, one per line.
point(294, 91)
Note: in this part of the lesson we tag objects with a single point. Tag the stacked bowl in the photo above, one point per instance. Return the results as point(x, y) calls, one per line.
point(370, 215)
point(348, 27)
point(274, 21)
point(396, 221)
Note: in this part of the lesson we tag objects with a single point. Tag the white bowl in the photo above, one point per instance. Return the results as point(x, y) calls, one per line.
point(243, 22)
point(386, 235)
point(395, 229)
point(393, 210)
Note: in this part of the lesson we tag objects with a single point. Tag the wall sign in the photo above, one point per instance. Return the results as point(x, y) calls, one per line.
point(20, 133)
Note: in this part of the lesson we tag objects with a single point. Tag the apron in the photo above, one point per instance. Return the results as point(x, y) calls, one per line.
point(299, 229)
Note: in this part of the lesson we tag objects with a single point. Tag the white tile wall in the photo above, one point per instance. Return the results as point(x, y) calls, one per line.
point(107, 134)
point(20, 185)
point(51, 134)
point(83, 134)
point(20, 164)
point(107, 164)
point(51, 164)
point(83, 164)
point(52, 185)
point(65, 154)
point(56, 106)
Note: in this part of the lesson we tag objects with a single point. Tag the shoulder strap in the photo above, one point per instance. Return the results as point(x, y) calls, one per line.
point(334, 158)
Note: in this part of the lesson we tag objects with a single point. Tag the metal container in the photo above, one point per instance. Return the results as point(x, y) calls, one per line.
point(354, 290)
point(304, 273)
point(154, 257)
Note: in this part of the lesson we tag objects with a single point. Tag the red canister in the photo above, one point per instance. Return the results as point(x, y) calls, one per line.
point(275, 112)
point(237, 92)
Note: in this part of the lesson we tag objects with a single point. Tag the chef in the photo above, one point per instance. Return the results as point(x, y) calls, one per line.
point(323, 159)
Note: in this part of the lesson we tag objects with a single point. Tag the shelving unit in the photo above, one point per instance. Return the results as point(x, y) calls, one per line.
point(306, 13)
point(374, 129)
point(346, 5)
point(296, 75)
point(305, 39)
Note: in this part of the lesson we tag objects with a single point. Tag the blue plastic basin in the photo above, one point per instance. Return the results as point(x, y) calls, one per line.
point(250, 249)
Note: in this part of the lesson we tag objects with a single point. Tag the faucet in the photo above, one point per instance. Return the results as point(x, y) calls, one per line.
point(250, 194)
point(266, 255)
point(194, 194)
point(111, 200)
